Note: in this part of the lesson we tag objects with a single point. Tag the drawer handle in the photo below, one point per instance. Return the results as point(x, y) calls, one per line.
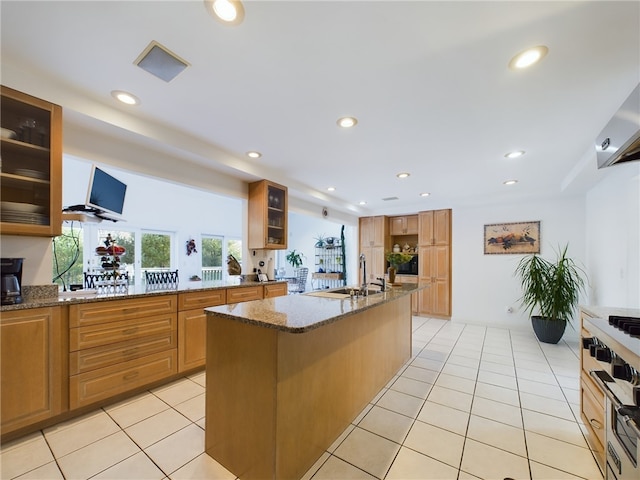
point(130, 331)
point(595, 424)
point(131, 375)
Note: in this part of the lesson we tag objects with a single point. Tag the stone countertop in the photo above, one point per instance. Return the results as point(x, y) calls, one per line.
point(69, 298)
point(597, 311)
point(597, 322)
point(301, 313)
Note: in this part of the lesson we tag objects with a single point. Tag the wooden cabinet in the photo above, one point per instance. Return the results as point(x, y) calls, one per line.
point(414, 297)
point(31, 177)
point(119, 345)
point(275, 289)
point(267, 227)
point(434, 227)
point(374, 243)
point(244, 294)
point(192, 326)
point(434, 270)
point(405, 225)
point(592, 401)
point(33, 356)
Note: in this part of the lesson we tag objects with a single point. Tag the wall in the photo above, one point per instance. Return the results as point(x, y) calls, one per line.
point(613, 243)
point(484, 286)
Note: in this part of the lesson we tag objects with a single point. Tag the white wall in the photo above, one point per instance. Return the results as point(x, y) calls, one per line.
point(613, 237)
point(483, 286)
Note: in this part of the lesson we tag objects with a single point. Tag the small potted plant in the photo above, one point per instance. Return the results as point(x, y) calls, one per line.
point(395, 259)
point(294, 258)
point(552, 290)
point(320, 239)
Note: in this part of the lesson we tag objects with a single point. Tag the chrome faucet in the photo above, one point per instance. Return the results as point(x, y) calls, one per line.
point(363, 266)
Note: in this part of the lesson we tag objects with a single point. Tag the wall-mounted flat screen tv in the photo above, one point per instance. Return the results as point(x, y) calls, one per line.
point(106, 193)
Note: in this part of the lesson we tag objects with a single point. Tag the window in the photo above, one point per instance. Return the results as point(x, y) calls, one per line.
point(211, 258)
point(68, 256)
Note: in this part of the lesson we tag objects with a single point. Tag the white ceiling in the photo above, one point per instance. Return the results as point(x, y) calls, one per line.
point(428, 81)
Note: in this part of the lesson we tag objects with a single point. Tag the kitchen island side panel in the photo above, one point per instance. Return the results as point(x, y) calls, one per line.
point(277, 400)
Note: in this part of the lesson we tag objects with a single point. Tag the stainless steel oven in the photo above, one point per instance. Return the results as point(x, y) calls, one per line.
point(615, 347)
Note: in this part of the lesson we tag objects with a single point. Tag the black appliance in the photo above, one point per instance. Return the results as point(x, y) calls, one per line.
point(11, 272)
point(409, 268)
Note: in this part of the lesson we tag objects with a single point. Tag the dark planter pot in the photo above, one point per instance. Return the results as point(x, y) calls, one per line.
point(548, 330)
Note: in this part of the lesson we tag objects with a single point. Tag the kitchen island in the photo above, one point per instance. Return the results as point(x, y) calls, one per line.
point(286, 375)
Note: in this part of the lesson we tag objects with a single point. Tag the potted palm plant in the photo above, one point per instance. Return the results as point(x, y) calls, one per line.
point(550, 289)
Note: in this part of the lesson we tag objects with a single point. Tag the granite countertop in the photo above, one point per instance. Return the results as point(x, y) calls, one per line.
point(301, 313)
point(68, 298)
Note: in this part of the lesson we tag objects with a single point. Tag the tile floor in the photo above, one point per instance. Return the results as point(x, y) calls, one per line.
point(472, 403)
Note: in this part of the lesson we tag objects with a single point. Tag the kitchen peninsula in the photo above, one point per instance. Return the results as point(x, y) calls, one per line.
point(286, 375)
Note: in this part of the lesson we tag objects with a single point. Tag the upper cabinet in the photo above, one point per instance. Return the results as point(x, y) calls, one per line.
point(31, 173)
point(435, 227)
point(405, 225)
point(373, 231)
point(267, 216)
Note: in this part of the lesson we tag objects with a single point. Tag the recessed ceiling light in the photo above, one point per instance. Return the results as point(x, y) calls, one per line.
point(362, 202)
point(347, 122)
point(403, 175)
point(253, 154)
point(229, 12)
point(331, 189)
point(510, 182)
point(515, 154)
point(125, 97)
point(425, 194)
point(528, 57)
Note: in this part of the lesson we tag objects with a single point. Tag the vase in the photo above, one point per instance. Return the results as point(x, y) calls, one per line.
point(548, 330)
point(391, 271)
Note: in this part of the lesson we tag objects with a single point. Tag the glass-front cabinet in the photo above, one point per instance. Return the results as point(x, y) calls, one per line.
point(267, 216)
point(31, 169)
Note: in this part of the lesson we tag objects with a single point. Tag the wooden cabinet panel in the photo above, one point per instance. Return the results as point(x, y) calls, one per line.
point(374, 231)
point(192, 334)
point(275, 289)
point(376, 263)
point(593, 417)
point(115, 310)
point(435, 271)
point(31, 165)
point(405, 225)
point(92, 358)
point(434, 227)
point(33, 365)
point(414, 297)
point(244, 294)
point(268, 204)
point(90, 387)
point(203, 299)
point(89, 336)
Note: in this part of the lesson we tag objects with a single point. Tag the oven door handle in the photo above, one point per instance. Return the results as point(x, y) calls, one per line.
point(602, 378)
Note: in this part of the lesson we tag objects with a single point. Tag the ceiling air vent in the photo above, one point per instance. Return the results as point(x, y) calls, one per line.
point(161, 62)
point(389, 199)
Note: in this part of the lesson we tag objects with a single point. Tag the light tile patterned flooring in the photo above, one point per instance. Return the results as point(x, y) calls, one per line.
point(472, 403)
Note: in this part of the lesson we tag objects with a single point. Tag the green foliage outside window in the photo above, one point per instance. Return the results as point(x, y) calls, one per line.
point(156, 250)
point(212, 251)
point(67, 259)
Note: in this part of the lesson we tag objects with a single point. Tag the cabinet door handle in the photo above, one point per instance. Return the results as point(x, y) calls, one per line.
point(131, 375)
point(595, 424)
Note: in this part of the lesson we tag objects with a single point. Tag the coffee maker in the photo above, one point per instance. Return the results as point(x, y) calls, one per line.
point(11, 271)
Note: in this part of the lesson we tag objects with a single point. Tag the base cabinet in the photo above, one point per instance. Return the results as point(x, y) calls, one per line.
point(34, 380)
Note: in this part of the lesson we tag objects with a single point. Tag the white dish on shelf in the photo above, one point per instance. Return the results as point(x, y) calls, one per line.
point(6, 133)
point(21, 207)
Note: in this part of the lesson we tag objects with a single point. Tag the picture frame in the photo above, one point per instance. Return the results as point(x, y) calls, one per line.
point(512, 238)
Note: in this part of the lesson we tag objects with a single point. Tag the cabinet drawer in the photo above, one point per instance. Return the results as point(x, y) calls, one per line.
point(593, 416)
point(114, 310)
point(99, 357)
point(113, 332)
point(194, 300)
point(244, 294)
point(275, 290)
point(91, 387)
